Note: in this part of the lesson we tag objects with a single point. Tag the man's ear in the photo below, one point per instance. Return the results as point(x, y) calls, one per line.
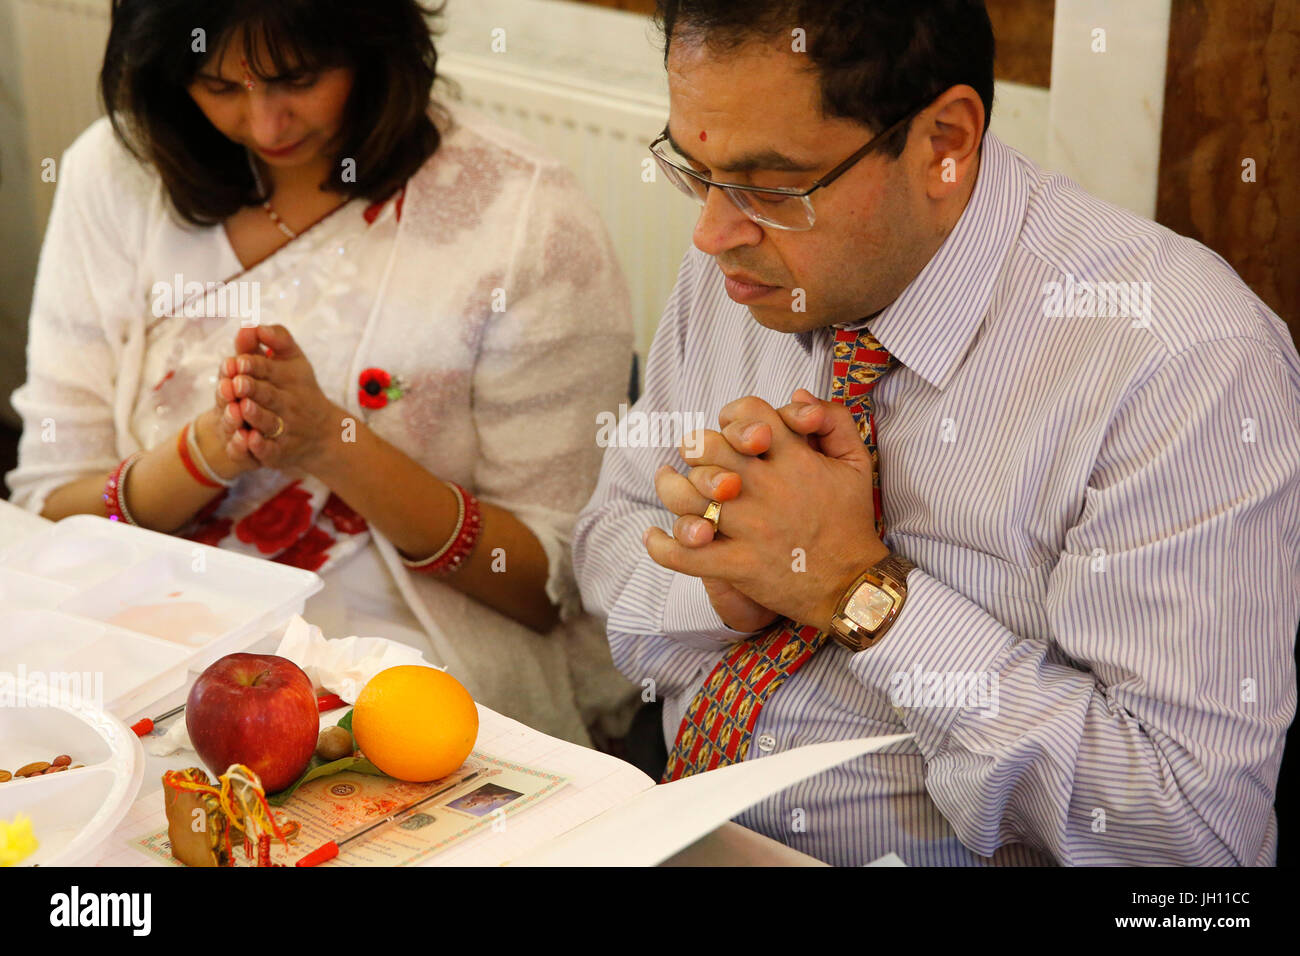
point(954, 129)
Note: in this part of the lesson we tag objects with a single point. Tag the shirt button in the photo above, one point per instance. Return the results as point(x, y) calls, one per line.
point(766, 743)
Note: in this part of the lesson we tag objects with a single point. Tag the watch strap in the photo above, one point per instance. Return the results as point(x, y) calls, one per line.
point(893, 566)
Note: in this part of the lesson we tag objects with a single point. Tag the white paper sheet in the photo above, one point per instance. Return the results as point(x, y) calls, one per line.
point(659, 822)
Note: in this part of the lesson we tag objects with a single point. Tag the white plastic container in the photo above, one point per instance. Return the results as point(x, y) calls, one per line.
point(137, 607)
point(73, 812)
point(19, 590)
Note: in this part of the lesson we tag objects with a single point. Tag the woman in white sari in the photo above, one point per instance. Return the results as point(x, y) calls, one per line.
point(286, 306)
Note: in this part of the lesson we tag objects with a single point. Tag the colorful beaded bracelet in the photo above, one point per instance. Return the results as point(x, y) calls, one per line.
point(469, 522)
point(115, 490)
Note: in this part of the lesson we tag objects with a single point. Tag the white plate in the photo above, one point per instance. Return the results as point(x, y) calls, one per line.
point(73, 813)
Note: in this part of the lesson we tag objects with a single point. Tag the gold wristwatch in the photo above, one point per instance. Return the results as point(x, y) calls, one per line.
point(872, 603)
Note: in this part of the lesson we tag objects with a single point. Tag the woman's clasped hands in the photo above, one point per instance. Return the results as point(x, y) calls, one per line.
point(273, 413)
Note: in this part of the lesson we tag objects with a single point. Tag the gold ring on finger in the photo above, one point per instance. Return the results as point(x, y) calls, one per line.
point(713, 512)
point(279, 428)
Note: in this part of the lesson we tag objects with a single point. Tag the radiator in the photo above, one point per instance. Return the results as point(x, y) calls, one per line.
point(602, 136)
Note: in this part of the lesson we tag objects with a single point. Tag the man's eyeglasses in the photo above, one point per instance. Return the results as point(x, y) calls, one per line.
point(779, 208)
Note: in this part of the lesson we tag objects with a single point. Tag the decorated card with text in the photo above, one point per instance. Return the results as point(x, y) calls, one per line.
point(331, 807)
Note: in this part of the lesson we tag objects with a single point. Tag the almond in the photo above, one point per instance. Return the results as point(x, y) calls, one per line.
point(5, 775)
point(32, 769)
point(61, 761)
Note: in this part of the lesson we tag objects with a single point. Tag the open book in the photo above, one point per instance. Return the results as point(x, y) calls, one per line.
point(609, 813)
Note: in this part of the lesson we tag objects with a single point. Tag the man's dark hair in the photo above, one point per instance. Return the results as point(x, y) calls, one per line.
point(153, 54)
point(877, 60)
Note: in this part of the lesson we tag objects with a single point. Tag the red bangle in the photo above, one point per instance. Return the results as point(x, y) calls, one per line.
point(453, 554)
point(183, 447)
point(115, 491)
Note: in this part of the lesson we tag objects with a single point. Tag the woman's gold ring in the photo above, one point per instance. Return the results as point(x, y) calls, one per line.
point(279, 428)
point(712, 513)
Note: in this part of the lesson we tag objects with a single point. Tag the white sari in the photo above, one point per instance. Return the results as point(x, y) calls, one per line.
point(313, 286)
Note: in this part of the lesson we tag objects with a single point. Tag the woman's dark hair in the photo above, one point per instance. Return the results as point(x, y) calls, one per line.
point(155, 47)
point(877, 59)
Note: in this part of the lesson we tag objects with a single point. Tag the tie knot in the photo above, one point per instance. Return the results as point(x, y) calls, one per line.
point(858, 362)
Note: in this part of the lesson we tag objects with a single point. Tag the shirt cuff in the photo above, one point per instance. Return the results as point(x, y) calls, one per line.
point(657, 600)
point(689, 614)
point(938, 662)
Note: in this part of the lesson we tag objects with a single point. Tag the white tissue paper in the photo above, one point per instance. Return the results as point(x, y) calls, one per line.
point(175, 738)
point(342, 666)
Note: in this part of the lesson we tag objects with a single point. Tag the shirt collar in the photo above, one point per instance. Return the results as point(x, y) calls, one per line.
point(931, 325)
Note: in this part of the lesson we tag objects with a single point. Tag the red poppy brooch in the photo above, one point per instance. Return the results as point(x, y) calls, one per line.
point(378, 388)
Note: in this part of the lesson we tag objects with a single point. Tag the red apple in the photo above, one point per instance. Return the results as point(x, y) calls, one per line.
point(254, 709)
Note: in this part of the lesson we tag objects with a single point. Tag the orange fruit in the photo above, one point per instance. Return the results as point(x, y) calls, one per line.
point(415, 723)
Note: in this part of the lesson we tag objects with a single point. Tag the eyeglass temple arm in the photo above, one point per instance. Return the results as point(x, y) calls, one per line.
point(875, 142)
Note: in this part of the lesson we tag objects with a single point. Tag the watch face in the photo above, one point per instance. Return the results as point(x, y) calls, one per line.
point(868, 606)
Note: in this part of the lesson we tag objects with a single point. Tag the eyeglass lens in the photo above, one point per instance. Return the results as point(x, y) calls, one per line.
point(789, 212)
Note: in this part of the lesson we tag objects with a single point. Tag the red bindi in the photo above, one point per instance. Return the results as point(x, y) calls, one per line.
point(703, 136)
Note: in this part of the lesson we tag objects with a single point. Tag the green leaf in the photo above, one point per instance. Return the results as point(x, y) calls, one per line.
point(346, 721)
point(317, 768)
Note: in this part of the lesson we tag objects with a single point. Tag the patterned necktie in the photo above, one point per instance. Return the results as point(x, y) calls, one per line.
point(720, 720)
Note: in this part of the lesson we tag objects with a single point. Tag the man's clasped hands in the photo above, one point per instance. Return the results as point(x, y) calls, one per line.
point(797, 524)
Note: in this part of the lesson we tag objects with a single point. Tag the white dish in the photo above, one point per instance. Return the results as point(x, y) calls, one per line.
point(74, 812)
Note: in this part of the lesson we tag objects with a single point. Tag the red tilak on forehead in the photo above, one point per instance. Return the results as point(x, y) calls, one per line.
point(703, 136)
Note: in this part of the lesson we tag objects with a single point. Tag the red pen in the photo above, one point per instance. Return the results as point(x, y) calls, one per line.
point(330, 850)
point(145, 725)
